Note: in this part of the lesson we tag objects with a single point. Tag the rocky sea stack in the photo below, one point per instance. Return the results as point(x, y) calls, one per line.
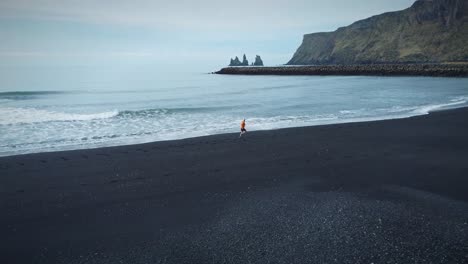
point(236, 62)
point(258, 61)
point(430, 31)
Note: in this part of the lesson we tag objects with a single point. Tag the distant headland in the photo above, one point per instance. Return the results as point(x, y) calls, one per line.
point(427, 39)
point(430, 31)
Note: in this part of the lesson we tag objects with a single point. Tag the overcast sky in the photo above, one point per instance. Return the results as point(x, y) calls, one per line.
point(205, 32)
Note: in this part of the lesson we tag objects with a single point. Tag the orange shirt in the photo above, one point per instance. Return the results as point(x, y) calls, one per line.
point(243, 124)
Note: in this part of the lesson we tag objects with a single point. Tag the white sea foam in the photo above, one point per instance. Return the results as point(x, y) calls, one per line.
point(351, 112)
point(400, 109)
point(12, 115)
point(426, 109)
point(460, 98)
point(266, 123)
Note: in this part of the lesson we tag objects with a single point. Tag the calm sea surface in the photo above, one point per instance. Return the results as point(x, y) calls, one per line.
point(62, 109)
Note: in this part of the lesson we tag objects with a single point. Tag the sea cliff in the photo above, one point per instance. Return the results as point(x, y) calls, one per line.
point(430, 31)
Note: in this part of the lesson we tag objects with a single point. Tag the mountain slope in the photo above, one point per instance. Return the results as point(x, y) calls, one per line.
point(429, 31)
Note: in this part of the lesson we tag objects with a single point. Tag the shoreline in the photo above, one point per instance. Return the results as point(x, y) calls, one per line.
point(430, 70)
point(447, 107)
point(354, 192)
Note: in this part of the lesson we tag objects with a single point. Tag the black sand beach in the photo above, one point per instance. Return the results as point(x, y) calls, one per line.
point(373, 192)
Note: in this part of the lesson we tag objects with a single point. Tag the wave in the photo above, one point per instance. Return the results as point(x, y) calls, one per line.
point(10, 115)
point(460, 98)
point(277, 122)
point(404, 111)
point(426, 109)
point(352, 112)
point(25, 95)
point(278, 87)
point(168, 111)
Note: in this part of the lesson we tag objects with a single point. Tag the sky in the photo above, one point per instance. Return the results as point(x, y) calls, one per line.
point(202, 34)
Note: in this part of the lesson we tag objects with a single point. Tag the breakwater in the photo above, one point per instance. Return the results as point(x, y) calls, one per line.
point(436, 70)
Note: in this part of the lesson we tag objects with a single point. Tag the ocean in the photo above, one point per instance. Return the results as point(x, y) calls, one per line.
point(48, 110)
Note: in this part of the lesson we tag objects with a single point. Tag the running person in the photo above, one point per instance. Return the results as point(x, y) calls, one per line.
point(243, 130)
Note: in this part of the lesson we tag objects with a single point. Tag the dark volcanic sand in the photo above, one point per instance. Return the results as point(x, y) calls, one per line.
point(376, 192)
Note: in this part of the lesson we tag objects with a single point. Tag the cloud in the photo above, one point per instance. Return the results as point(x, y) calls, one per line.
point(38, 54)
point(171, 31)
point(177, 14)
point(207, 15)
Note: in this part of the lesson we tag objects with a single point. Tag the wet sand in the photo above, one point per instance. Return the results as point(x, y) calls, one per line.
point(390, 191)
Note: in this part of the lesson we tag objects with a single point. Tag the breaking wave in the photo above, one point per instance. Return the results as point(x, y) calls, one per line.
point(12, 115)
point(25, 95)
point(166, 111)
